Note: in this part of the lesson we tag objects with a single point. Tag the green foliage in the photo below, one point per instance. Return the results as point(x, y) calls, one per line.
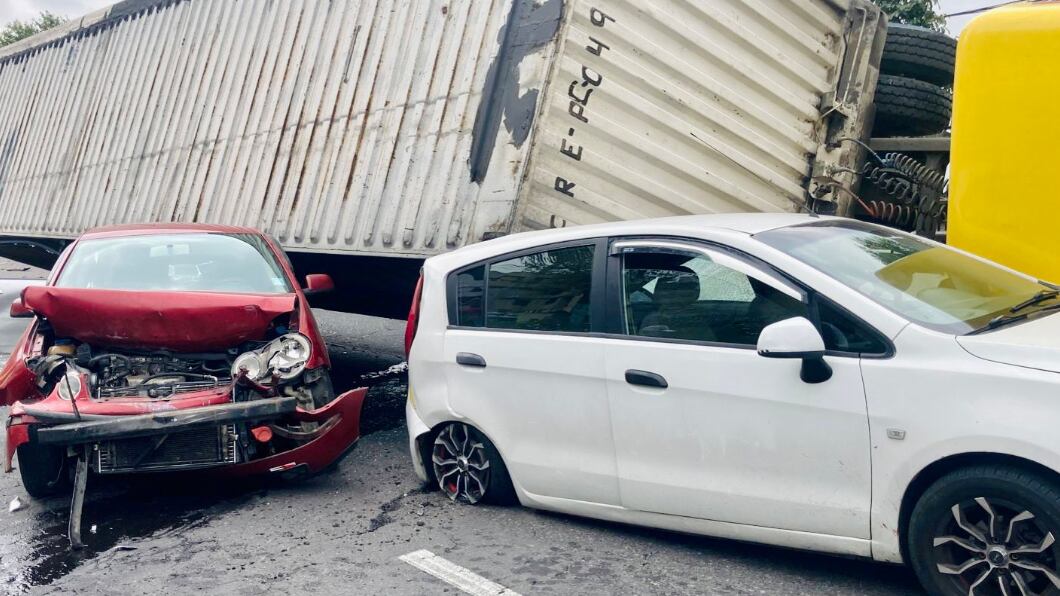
point(914, 12)
point(19, 30)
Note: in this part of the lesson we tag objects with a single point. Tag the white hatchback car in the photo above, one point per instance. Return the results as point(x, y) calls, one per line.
point(816, 383)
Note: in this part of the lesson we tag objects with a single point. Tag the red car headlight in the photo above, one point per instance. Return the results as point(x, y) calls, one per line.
point(286, 357)
point(69, 385)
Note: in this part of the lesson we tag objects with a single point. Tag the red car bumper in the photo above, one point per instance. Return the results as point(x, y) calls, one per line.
point(53, 422)
point(339, 430)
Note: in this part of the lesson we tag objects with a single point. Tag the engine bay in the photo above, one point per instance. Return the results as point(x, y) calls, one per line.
point(254, 372)
point(117, 374)
point(263, 368)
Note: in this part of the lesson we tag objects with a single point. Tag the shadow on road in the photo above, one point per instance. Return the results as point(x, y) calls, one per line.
point(803, 564)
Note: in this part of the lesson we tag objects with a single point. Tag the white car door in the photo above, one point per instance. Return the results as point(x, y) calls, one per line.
point(524, 368)
point(704, 427)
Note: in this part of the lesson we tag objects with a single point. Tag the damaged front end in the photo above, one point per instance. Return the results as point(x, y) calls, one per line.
point(126, 404)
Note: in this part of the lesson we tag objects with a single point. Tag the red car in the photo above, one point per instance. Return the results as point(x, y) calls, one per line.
point(172, 347)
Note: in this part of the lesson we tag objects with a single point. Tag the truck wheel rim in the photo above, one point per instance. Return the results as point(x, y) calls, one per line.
point(996, 547)
point(461, 464)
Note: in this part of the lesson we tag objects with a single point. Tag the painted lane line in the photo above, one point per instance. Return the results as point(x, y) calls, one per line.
point(464, 579)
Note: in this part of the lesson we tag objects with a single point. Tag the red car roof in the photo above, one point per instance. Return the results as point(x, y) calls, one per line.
point(163, 228)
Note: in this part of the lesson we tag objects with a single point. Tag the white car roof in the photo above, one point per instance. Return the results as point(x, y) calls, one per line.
point(728, 223)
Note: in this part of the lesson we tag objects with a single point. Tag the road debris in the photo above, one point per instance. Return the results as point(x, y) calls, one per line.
point(393, 371)
point(15, 505)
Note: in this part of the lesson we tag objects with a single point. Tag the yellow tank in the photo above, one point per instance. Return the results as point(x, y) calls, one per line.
point(1005, 153)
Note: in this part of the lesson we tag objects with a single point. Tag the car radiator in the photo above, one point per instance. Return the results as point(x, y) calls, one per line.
point(188, 449)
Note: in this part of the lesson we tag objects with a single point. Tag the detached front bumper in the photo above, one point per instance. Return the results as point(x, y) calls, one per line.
point(339, 430)
point(110, 428)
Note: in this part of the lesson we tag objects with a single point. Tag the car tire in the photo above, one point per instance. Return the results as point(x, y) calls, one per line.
point(468, 468)
point(919, 53)
point(966, 528)
point(906, 106)
point(44, 470)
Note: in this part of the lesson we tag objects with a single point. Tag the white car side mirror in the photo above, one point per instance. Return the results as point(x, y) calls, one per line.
point(797, 338)
point(791, 338)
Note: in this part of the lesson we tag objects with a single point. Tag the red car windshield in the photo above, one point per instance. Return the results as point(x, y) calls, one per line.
point(241, 263)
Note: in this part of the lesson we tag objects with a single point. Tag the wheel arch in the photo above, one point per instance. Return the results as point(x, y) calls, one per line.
point(423, 444)
point(951, 463)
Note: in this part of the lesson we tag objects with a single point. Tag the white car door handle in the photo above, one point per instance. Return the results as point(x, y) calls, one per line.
point(469, 359)
point(645, 379)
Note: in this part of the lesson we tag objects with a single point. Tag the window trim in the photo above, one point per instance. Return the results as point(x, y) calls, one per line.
point(606, 316)
point(597, 289)
point(616, 316)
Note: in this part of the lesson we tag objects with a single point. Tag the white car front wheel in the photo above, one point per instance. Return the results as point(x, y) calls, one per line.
point(988, 531)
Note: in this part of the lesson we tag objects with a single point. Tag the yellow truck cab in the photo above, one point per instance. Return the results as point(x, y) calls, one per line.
point(1005, 168)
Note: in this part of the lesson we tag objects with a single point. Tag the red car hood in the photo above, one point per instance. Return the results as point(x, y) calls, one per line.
point(178, 321)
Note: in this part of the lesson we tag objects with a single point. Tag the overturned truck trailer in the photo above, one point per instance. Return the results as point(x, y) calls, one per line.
point(392, 130)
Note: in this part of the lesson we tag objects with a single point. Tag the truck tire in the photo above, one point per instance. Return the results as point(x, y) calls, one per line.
point(909, 107)
point(43, 470)
point(919, 53)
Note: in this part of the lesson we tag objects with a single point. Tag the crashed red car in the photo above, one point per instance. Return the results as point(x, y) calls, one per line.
point(172, 347)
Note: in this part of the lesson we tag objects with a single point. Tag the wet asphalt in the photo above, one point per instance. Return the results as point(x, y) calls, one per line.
point(342, 532)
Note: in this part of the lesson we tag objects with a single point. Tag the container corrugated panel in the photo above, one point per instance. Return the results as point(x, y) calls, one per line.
point(401, 127)
point(666, 107)
point(338, 125)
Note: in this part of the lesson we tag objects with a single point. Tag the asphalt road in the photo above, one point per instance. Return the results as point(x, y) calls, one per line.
point(343, 533)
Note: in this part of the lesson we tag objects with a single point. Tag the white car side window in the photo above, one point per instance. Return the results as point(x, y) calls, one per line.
point(695, 295)
point(549, 290)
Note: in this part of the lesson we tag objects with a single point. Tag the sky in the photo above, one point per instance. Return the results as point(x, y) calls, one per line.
point(955, 24)
point(27, 9)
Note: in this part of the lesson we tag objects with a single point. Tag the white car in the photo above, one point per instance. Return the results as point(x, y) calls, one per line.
point(809, 382)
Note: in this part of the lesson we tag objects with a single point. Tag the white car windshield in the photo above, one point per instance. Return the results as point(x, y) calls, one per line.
point(240, 263)
point(927, 283)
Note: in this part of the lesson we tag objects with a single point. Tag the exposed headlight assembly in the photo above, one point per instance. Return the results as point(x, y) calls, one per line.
point(69, 384)
point(286, 357)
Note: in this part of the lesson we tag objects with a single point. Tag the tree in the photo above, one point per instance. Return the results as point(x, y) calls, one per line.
point(914, 12)
point(19, 30)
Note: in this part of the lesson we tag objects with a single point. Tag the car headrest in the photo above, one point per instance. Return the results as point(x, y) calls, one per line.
point(677, 288)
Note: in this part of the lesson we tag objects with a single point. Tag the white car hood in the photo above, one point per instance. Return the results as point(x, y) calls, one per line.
point(1032, 344)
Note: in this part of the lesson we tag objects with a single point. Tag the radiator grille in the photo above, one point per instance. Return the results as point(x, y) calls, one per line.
point(156, 391)
point(193, 448)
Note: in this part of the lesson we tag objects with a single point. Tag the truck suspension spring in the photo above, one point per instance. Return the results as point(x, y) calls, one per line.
point(916, 195)
point(892, 213)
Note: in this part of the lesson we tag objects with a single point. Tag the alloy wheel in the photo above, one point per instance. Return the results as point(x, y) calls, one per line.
point(993, 547)
point(461, 463)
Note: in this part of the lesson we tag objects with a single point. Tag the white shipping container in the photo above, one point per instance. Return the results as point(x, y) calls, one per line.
point(408, 128)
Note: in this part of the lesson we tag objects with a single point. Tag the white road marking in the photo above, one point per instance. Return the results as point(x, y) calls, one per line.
point(464, 579)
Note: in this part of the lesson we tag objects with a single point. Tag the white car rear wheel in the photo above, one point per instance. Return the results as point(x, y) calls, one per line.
point(467, 466)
